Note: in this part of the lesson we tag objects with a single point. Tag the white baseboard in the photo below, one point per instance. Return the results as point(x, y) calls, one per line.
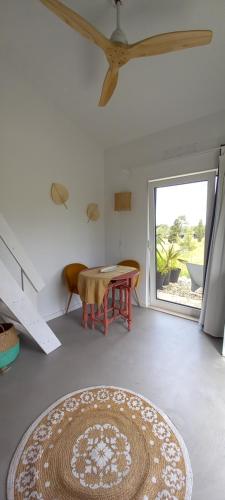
point(60, 312)
point(142, 304)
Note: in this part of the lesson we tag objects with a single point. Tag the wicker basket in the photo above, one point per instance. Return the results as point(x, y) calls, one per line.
point(9, 344)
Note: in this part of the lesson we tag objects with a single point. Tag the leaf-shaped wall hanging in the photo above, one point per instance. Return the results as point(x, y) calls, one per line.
point(93, 212)
point(59, 194)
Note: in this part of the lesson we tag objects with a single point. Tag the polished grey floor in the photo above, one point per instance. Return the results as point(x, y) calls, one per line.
point(164, 358)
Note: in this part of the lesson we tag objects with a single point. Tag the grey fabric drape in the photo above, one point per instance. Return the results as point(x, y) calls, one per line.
point(212, 317)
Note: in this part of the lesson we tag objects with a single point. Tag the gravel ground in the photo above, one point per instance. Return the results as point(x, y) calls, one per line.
point(181, 293)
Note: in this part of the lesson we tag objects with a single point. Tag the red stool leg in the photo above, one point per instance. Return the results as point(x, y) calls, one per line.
point(105, 307)
point(113, 299)
point(125, 291)
point(121, 300)
point(129, 306)
point(126, 305)
point(92, 316)
point(98, 311)
point(85, 315)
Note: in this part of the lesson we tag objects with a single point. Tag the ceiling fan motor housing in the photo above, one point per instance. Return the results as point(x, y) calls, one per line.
point(118, 35)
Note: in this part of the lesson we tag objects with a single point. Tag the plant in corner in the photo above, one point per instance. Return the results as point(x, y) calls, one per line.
point(173, 256)
point(167, 264)
point(161, 269)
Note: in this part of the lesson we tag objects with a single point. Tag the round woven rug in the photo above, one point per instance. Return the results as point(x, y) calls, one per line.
point(101, 443)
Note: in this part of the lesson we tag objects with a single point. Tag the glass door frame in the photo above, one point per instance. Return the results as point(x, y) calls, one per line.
point(210, 177)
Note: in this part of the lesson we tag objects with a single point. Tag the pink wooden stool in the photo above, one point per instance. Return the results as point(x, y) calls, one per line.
point(107, 313)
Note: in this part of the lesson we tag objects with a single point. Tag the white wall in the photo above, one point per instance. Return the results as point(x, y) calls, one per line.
point(38, 146)
point(129, 167)
point(197, 135)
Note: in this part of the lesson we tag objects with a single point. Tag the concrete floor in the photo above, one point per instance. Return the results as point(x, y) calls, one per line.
point(164, 358)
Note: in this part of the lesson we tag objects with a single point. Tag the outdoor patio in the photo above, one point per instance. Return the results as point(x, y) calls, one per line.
point(181, 293)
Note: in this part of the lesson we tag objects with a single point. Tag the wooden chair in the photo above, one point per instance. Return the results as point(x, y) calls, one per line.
point(71, 273)
point(133, 263)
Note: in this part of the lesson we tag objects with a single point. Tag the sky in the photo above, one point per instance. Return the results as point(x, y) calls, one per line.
point(185, 199)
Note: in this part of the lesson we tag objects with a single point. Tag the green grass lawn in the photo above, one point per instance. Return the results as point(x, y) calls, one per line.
point(195, 256)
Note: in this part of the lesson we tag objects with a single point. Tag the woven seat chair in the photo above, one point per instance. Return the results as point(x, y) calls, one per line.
point(71, 273)
point(133, 263)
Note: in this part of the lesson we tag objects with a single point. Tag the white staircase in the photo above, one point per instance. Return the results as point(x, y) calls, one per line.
point(14, 297)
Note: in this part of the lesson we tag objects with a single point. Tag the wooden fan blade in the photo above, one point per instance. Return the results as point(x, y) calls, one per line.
point(109, 85)
point(77, 22)
point(169, 42)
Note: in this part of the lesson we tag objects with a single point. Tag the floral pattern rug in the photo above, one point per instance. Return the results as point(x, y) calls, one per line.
point(101, 443)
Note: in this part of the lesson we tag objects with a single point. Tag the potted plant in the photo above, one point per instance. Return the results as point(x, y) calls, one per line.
point(174, 274)
point(167, 277)
point(172, 256)
point(168, 269)
point(174, 265)
point(162, 271)
point(168, 258)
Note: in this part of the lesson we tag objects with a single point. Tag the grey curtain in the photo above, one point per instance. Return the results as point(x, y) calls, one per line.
point(213, 308)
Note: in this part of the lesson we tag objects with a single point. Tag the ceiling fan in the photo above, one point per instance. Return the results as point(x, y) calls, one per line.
point(117, 49)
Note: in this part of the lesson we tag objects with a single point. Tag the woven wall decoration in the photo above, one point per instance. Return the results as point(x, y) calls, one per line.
point(122, 202)
point(93, 212)
point(59, 194)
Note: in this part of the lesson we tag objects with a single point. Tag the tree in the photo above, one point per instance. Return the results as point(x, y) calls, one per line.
point(188, 242)
point(177, 229)
point(199, 231)
point(162, 231)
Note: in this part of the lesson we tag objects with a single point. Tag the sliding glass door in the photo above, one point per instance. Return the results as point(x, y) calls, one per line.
point(180, 215)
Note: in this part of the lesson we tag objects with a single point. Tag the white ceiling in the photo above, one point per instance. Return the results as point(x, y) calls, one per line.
point(153, 93)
